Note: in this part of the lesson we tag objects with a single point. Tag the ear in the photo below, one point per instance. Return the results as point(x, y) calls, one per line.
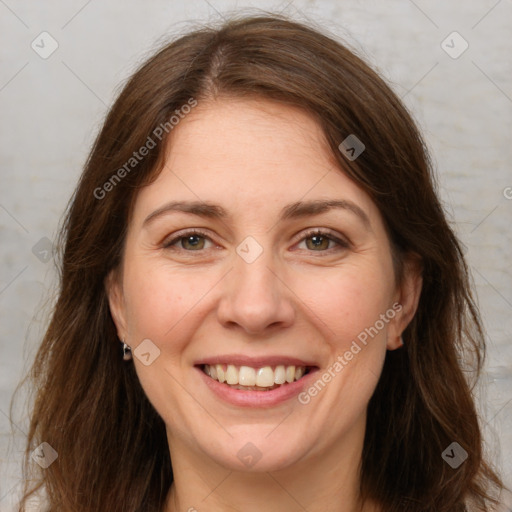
point(114, 290)
point(407, 298)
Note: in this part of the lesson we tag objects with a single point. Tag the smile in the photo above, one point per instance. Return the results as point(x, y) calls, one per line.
point(247, 378)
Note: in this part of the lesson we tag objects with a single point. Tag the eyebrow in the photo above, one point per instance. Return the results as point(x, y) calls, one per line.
point(316, 207)
point(295, 210)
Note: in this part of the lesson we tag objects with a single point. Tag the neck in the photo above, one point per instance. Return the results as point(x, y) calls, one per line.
point(324, 482)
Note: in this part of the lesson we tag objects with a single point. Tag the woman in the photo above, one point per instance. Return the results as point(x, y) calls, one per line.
point(262, 305)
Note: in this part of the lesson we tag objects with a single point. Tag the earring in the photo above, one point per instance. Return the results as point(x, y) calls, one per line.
point(401, 342)
point(127, 352)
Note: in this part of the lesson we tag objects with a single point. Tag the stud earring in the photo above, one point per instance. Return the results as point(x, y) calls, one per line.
point(127, 352)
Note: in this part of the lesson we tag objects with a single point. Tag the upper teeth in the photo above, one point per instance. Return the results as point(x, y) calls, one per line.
point(248, 376)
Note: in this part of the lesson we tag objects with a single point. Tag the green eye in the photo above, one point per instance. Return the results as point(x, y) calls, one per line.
point(192, 242)
point(318, 242)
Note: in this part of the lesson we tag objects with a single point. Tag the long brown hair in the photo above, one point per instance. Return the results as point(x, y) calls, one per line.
point(89, 406)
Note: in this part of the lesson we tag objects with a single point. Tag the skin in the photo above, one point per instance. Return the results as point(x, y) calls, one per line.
point(193, 301)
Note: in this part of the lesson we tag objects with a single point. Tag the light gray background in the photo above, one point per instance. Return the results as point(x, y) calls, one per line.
point(51, 110)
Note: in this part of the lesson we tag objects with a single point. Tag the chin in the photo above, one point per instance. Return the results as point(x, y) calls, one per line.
point(257, 449)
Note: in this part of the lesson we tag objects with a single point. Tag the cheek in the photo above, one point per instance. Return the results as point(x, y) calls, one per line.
point(349, 307)
point(164, 300)
point(349, 300)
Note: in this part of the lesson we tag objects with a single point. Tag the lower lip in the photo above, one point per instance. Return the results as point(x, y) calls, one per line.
point(243, 398)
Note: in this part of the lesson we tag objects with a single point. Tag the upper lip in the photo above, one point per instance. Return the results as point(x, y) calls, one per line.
point(254, 362)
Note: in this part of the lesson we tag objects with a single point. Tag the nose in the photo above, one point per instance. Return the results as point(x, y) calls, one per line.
point(255, 298)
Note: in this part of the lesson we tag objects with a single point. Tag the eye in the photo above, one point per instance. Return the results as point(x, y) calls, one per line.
point(321, 241)
point(195, 240)
point(189, 241)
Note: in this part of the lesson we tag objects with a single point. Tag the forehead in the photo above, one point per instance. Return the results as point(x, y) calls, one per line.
point(249, 155)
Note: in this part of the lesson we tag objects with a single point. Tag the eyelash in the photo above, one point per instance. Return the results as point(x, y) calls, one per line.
point(168, 243)
point(313, 232)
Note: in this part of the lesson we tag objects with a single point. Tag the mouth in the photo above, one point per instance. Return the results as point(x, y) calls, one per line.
point(248, 378)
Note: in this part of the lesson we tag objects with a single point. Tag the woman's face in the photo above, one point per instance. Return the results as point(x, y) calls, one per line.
point(252, 257)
